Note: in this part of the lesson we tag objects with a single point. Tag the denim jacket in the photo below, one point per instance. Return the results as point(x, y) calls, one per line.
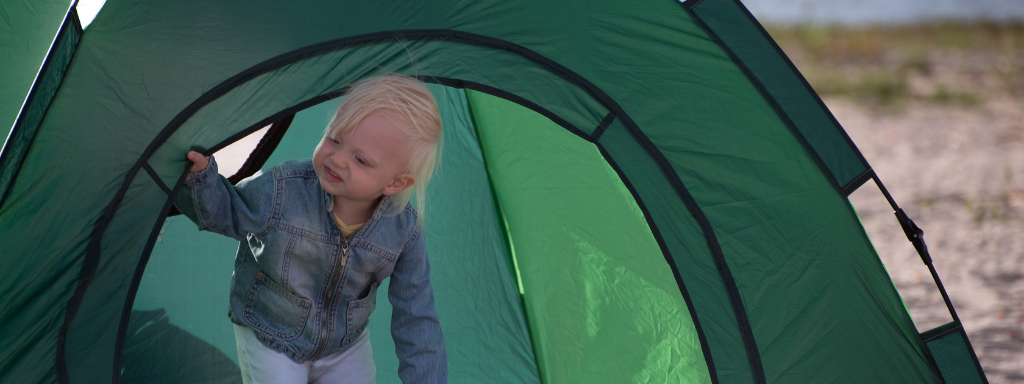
point(303, 289)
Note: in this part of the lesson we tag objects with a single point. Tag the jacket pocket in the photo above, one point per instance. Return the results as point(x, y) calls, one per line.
point(358, 312)
point(272, 309)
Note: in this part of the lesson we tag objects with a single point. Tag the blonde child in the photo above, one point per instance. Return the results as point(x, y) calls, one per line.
point(318, 236)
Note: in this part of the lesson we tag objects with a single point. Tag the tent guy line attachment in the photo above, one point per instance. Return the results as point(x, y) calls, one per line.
point(857, 182)
point(916, 236)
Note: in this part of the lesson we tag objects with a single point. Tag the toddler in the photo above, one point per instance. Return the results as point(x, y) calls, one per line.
point(318, 236)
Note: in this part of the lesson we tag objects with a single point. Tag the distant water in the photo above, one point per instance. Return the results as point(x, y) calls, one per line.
point(888, 12)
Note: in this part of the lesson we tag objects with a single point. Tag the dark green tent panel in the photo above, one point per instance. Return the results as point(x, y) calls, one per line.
point(27, 34)
point(38, 43)
point(783, 87)
point(629, 192)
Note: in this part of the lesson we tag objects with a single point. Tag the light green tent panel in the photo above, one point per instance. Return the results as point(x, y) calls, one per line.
point(602, 301)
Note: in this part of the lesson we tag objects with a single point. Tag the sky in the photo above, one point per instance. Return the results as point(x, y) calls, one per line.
point(867, 12)
point(87, 10)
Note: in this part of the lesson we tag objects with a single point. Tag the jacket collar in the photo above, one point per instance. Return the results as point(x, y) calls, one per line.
point(329, 204)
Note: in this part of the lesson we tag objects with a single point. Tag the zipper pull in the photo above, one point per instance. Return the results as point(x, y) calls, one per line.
point(344, 251)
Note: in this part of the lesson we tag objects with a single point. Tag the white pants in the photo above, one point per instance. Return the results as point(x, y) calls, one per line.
point(262, 365)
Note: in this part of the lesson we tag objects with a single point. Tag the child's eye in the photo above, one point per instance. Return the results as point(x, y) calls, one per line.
point(360, 160)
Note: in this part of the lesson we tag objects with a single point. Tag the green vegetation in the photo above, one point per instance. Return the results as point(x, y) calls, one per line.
point(888, 66)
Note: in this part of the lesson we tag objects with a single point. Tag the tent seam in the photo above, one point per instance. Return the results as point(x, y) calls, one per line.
point(776, 105)
point(463, 84)
point(771, 101)
point(507, 236)
point(140, 268)
point(858, 182)
point(735, 299)
point(159, 183)
point(603, 126)
point(817, 98)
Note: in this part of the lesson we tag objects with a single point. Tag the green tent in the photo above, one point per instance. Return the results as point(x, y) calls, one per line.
point(640, 191)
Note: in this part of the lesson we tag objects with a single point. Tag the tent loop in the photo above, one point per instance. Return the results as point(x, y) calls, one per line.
point(602, 127)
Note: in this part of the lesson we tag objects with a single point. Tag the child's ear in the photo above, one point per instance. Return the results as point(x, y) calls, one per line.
point(400, 183)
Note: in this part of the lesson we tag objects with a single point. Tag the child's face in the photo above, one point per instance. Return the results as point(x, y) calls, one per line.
point(364, 164)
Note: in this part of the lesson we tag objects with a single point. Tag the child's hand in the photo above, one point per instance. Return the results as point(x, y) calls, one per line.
point(199, 162)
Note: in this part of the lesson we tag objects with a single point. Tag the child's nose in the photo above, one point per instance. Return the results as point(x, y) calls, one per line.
point(339, 160)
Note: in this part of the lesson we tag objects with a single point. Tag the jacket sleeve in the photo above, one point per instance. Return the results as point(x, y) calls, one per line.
point(210, 201)
point(415, 327)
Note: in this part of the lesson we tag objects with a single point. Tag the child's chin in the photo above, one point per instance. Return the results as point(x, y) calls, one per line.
point(327, 186)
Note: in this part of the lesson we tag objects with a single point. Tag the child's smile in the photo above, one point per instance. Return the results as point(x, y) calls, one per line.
point(331, 176)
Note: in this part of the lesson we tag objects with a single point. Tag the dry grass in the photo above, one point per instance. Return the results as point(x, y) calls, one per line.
point(957, 64)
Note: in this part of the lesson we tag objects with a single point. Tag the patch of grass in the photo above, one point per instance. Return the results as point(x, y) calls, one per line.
point(987, 208)
point(873, 64)
point(1010, 73)
point(925, 202)
point(885, 88)
point(870, 43)
point(948, 96)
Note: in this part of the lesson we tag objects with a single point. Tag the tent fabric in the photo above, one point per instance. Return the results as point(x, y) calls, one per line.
point(785, 88)
point(623, 198)
point(19, 130)
point(27, 35)
point(602, 302)
point(953, 354)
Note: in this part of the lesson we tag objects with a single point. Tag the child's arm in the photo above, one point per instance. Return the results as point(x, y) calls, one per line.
point(415, 327)
point(210, 201)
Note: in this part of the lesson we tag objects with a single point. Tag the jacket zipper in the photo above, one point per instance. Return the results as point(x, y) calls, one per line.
point(332, 286)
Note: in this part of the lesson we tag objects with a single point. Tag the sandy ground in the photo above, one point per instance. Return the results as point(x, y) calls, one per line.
point(958, 171)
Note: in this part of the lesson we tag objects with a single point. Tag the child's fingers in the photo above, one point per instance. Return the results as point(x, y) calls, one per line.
point(199, 162)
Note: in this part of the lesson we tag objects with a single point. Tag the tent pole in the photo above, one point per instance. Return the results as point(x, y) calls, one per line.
point(916, 237)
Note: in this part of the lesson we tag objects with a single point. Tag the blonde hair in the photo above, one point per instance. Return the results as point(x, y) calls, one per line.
point(412, 106)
